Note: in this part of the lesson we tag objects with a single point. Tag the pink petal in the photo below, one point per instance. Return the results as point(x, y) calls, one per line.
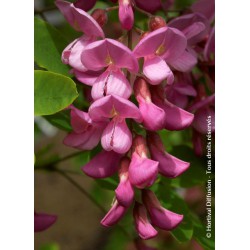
point(150, 6)
point(169, 165)
point(160, 216)
point(116, 212)
point(209, 51)
point(205, 7)
point(79, 19)
point(142, 171)
point(125, 193)
point(176, 118)
point(43, 221)
point(80, 120)
point(113, 105)
point(153, 116)
point(117, 136)
point(126, 14)
point(168, 43)
point(111, 82)
point(104, 53)
point(156, 70)
point(144, 228)
point(87, 77)
point(103, 165)
point(194, 26)
point(185, 62)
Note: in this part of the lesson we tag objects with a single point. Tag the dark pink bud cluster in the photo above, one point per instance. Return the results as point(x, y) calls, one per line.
point(162, 90)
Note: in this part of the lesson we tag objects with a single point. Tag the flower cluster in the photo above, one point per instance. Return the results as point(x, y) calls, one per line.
point(147, 84)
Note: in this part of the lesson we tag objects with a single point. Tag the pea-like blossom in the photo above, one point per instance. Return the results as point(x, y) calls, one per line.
point(195, 27)
point(125, 191)
point(143, 226)
point(126, 14)
point(43, 221)
point(159, 48)
point(116, 136)
point(160, 216)
point(142, 170)
point(86, 133)
point(169, 165)
point(113, 56)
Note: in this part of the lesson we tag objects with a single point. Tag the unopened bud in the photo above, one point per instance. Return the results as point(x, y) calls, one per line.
point(140, 146)
point(141, 89)
point(100, 16)
point(156, 22)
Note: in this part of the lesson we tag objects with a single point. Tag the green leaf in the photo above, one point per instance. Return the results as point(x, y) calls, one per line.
point(48, 47)
point(53, 92)
point(60, 120)
point(172, 201)
point(50, 246)
point(196, 174)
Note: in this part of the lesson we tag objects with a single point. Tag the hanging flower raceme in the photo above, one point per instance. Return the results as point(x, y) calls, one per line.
point(159, 48)
point(160, 216)
point(169, 166)
point(113, 56)
point(142, 170)
point(126, 14)
point(116, 136)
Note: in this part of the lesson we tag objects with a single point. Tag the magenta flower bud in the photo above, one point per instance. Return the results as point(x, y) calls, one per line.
point(197, 143)
point(156, 22)
point(116, 212)
point(103, 165)
point(176, 118)
point(142, 171)
point(143, 226)
point(126, 14)
point(85, 5)
point(160, 216)
point(153, 116)
point(169, 165)
point(124, 192)
point(43, 221)
point(150, 6)
point(100, 15)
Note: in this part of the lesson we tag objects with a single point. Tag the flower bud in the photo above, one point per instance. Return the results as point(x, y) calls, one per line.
point(156, 22)
point(100, 16)
point(124, 192)
point(160, 216)
point(143, 226)
point(43, 221)
point(85, 5)
point(126, 14)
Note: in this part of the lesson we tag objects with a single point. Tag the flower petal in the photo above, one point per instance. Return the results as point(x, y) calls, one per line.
point(116, 212)
point(103, 165)
point(117, 136)
point(126, 14)
point(108, 105)
point(111, 82)
point(142, 171)
point(156, 70)
point(143, 226)
point(125, 193)
point(87, 77)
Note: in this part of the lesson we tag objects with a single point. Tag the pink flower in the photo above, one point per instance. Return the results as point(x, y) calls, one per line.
point(205, 7)
point(150, 6)
point(116, 136)
point(175, 118)
point(126, 14)
point(103, 165)
point(160, 47)
point(169, 165)
point(124, 192)
point(85, 5)
point(160, 216)
point(153, 116)
point(142, 170)
point(43, 221)
point(113, 56)
point(195, 28)
point(116, 212)
point(86, 133)
point(143, 226)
